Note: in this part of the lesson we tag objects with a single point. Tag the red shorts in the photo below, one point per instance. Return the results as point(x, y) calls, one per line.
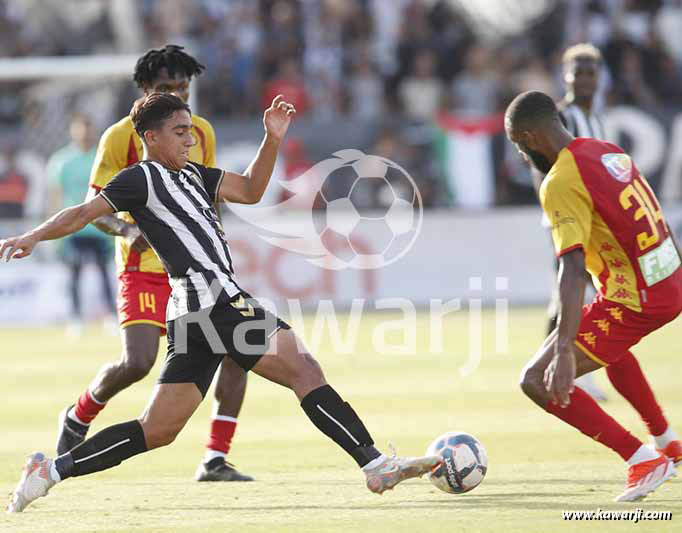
point(142, 299)
point(608, 329)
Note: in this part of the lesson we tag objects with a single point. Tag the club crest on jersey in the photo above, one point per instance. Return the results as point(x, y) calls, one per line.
point(619, 166)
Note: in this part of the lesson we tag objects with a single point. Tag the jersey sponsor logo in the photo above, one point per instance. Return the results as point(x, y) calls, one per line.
point(560, 220)
point(659, 263)
point(619, 166)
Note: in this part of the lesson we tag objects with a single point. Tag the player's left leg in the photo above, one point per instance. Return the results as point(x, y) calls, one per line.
point(627, 378)
point(288, 364)
point(229, 396)
point(167, 413)
point(648, 469)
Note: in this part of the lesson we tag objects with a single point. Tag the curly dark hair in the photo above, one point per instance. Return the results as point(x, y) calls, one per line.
point(170, 57)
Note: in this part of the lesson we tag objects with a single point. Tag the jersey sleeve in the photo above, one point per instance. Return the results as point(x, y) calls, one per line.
point(127, 191)
point(109, 160)
point(568, 206)
point(212, 178)
point(209, 154)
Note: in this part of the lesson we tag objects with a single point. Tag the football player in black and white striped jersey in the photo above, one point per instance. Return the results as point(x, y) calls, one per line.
point(209, 316)
point(581, 65)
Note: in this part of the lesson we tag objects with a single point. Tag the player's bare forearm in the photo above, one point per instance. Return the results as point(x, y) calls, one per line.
point(571, 294)
point(112, 225)
point(64, 223)
point(249, 188)
point(260, 169)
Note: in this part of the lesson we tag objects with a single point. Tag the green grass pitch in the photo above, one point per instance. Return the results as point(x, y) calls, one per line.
point(538, 465)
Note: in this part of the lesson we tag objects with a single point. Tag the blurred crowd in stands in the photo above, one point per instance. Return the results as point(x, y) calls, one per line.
point(379, 61)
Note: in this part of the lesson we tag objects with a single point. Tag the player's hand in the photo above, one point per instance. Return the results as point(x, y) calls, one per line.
point(278, 117)
point(17, 247)
point(560, 376)
point(135, 240)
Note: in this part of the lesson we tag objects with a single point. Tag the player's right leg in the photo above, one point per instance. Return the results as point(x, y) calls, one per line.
point(142, 303)
point(167, 413)
point(140, 347)
point(229, 395)
point(648, 469)
point(288, 364)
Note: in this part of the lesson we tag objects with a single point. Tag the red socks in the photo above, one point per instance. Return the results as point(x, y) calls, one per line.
point(584, 414)
point(627, 378)
point(222, 431)
point(87, 407)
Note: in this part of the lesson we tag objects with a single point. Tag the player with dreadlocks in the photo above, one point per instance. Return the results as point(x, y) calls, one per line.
point(143, 282)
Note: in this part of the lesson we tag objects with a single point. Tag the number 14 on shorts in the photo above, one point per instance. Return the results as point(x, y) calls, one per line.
point(147, 301)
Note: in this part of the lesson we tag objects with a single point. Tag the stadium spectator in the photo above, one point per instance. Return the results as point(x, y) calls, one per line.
point(421, 93)
point(362, 57)
point(366, 90)
point(476, 91)
point(14, 187)
point(69, 174)
point(288, 82)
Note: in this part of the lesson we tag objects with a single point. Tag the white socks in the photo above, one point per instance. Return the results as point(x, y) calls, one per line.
point(643, 453)
point(54, 475)
point(72, 415)
point(374, 463)
point(212, 454)
point(666, 438)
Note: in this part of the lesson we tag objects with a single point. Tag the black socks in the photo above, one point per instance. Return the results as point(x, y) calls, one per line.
point(336, 419)
point(106, 449)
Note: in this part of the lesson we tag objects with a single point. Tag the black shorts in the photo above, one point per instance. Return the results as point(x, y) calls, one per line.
point(238, 328)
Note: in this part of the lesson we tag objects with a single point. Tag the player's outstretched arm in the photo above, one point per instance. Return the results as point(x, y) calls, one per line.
point(116, 227)
point(560, 373)
point(66, 222)
point(248, 188)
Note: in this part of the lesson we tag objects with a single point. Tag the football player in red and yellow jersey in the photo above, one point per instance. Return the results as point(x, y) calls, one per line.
point(606, 220)
point(143, 282)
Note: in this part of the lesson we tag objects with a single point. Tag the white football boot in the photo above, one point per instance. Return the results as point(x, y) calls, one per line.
point(646, 477)
point(35, 482)
point(394, 469)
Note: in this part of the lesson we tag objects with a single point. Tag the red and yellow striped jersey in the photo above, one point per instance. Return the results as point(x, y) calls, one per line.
point(120, 147)
point(597, 200)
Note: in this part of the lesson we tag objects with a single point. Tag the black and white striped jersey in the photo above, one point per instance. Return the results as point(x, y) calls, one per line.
point(581, 124)
point(175, 212)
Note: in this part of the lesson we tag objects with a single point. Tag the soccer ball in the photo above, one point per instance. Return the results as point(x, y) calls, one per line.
point(465, 462)
point(357, 233)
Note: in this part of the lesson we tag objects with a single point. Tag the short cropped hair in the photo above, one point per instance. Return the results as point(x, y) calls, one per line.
point(529, 110)
point(172, 58)
point(581, 51)
point(150, 112)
